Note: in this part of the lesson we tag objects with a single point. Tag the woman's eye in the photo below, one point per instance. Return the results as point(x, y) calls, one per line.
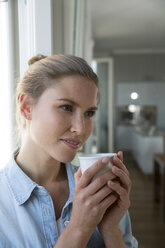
point(90, 113)
point(66, 107)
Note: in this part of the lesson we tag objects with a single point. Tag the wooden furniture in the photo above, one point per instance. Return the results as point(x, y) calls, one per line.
point(159, 180)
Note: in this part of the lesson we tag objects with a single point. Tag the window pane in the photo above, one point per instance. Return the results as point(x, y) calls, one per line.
point(5, 115)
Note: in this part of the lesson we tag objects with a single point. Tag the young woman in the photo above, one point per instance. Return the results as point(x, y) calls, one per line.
point(42, 204)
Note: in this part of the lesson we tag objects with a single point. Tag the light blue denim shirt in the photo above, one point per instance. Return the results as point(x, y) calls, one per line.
point(27, 217)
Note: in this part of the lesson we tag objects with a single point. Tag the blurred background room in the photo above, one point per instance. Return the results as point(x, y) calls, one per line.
point(124, 41)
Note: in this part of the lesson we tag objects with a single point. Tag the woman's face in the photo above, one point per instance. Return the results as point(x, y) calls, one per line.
point(62, 117)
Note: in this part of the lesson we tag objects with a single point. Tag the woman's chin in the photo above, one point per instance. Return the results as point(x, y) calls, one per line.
point(68, 158)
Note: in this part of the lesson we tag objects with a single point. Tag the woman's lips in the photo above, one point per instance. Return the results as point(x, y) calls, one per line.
point(72, 143)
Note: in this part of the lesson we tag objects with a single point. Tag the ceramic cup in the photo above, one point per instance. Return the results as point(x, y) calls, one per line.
point(89, 159)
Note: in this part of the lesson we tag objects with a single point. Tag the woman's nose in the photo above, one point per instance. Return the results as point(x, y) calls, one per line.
point(78, 125)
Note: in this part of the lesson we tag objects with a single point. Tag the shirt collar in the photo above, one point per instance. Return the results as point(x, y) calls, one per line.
point(19, 183)
point(22, 186)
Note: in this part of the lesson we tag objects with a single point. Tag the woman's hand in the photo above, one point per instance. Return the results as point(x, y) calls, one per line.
point(121, 188)
point(91, 199)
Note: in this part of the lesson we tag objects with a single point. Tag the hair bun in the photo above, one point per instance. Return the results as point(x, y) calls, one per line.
point(36, 58)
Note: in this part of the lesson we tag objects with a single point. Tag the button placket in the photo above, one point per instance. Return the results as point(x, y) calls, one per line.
point(48, 218)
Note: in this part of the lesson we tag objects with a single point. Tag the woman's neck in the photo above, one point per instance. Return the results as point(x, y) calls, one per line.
point(39, 167)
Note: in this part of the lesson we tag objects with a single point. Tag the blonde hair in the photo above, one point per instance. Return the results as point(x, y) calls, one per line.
point(42, 69)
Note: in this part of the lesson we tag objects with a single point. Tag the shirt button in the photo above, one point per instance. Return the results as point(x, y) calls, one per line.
point(47, 211)
point(66, 223)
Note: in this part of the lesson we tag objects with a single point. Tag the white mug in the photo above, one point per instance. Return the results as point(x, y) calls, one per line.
point(89, 159)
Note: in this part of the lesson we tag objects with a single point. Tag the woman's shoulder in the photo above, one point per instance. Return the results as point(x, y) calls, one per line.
point(2, 176)
point(5, 190)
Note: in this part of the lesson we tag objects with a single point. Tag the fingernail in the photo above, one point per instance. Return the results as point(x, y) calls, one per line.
point(105, 160)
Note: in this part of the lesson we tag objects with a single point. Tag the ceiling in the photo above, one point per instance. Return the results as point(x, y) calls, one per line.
point(125, 26)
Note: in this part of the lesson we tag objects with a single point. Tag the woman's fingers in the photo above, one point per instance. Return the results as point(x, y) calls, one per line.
point(123, 194)
point(88, 175)
point(118, 162)
point(108, 201)
point(120, 155)
point(124, 178)
point(100, 195)
point(100, 181)
point(120, 170)
point(77, 176)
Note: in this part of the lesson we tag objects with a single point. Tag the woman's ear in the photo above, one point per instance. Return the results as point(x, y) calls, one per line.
point(26, 103)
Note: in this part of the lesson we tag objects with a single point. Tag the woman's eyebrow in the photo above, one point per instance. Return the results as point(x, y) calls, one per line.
point(93, 108)
point(75, 103)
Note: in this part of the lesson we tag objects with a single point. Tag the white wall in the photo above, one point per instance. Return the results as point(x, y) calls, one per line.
point(139, 67)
